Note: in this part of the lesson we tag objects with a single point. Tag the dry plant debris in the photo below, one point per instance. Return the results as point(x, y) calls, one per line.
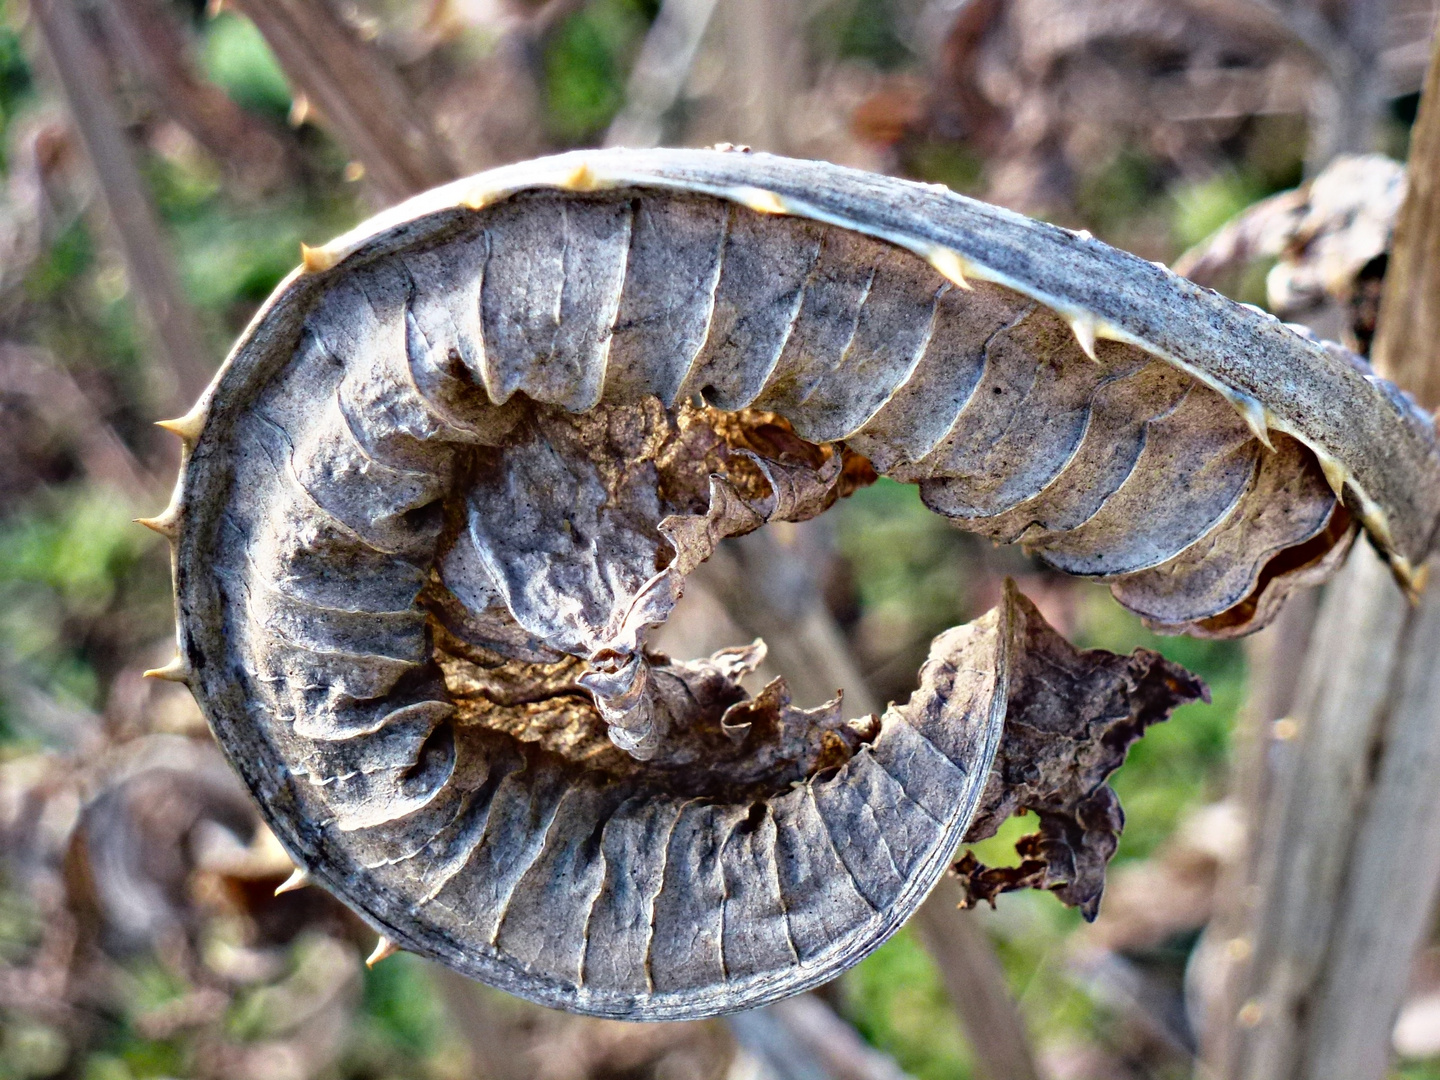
point(1330, 239)
point(466, 455)
point(1073, 714)
point(1048, 89)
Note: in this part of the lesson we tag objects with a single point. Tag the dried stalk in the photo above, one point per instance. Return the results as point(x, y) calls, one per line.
point(358, 92)
point(1346, 41)
point(660, 72)
point(1349, 865)
point(64, 407)
point(153, 46)
point(764, 54)
point(184, 369)
point(976, 985)
point(801, 1038)
point(1409, 314)
point(1345, 105)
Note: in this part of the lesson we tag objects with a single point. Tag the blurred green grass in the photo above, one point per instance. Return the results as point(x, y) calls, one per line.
point(235, 57)
point(586, 64)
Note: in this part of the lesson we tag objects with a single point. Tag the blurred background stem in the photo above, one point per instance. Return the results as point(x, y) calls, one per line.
point(183, 366)
point(1348, 864)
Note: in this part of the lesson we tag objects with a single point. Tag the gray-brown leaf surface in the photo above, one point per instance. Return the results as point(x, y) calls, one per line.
point(455, 469)
point(1072, 716)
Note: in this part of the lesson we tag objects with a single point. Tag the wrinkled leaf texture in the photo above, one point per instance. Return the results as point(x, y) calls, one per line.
point(465, 457)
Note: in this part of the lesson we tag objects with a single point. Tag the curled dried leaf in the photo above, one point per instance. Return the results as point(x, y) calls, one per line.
point(462, 462)
point(1073, 715)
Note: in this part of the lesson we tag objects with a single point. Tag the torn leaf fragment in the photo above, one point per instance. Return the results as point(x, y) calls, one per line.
point(1072, 716)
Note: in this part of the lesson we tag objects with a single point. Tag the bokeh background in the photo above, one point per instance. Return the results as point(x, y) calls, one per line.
point(160, 164)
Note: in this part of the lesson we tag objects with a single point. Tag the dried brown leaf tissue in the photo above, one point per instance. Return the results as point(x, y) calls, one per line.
point(465, 456)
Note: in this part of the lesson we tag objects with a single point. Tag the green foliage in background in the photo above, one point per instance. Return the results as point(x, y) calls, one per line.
point(1202, 207)
point(15, 84)
point(586, 61)
point(897, 1001)
point(236, 58)
point(868, 30)
point(402, 1003)
point(955, 165)
point(74, 575)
